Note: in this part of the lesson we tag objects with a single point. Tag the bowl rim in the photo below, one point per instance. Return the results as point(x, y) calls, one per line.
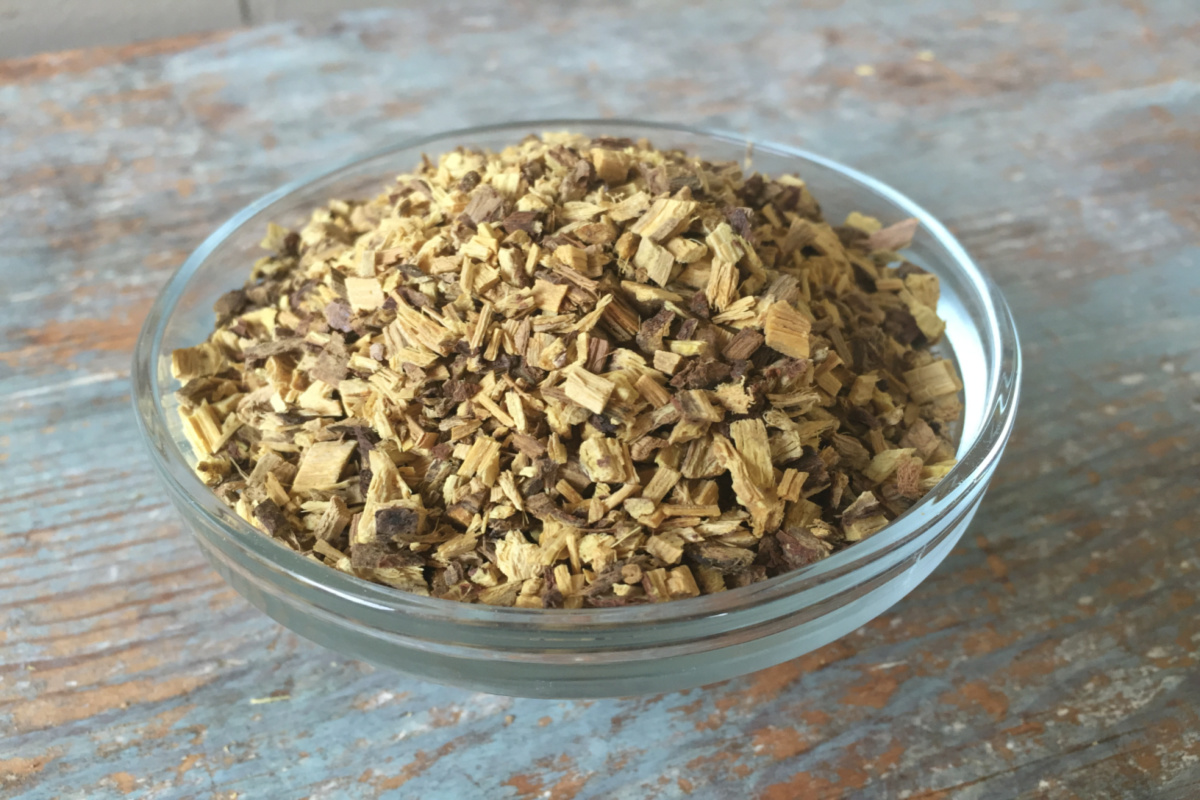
point(974, 463)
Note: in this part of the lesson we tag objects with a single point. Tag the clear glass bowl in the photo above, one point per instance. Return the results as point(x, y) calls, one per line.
point(588, 652)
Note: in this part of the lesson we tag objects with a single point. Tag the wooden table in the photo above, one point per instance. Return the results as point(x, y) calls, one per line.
point(1054, 654)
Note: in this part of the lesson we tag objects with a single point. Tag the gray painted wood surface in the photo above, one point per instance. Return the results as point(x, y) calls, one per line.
point(34, 26)
point(1052, 655)
point(28, 27)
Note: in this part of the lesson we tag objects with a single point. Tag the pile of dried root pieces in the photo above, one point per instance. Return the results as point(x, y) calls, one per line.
point(575, 373)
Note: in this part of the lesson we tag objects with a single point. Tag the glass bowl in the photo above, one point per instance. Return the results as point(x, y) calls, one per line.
point(588, 652)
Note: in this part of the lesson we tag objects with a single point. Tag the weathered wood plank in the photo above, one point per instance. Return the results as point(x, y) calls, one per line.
point(1052, 655)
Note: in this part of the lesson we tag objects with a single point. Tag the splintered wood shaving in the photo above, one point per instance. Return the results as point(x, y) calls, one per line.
point(574, 373)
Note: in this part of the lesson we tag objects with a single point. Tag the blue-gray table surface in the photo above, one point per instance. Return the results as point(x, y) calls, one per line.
point(1052, 655)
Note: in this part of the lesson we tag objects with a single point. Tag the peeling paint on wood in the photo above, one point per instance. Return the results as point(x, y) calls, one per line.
point(1052, 655)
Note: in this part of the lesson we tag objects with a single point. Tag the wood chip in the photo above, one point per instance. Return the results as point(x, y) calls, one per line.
point(931, 381)
point(723, 281)
point(667, 362)
point(656, 260)
point(588, 390)
point(665, 218)
point(654, 392)
point(189, 363)
point(365, 294)
point(786, 330)
point(612, 166)
point(744, 344)
point(681, 583)
point(321, 465)
point(606, 460)
point(895, 236)
point(750, 436)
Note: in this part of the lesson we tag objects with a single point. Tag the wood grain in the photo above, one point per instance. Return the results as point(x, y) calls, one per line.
point(32, 26)
point(1054, 654)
